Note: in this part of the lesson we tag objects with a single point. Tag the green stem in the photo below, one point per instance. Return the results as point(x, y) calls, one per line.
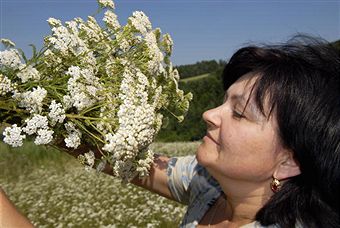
point(88, 132)
point(81, 117)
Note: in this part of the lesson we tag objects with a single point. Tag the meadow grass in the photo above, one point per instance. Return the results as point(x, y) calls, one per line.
point(53, 190)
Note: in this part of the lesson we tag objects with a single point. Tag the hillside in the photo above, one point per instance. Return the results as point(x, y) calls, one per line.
point(207, 93)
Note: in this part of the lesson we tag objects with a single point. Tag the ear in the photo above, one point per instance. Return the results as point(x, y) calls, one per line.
point(288, 167)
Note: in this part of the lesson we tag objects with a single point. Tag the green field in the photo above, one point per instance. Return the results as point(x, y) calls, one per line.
point(53, 190)
point(194, 78)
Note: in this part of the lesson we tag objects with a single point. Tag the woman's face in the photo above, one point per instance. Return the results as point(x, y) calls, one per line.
point(240, 145)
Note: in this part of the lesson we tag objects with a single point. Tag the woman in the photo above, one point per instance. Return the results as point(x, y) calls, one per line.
point(271, 154)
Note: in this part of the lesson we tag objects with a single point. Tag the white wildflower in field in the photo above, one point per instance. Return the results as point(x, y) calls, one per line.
point(105, 85)
point(13, 136)
point(10, 58)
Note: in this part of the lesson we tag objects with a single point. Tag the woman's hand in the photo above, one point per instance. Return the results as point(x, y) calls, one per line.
point(157, 181)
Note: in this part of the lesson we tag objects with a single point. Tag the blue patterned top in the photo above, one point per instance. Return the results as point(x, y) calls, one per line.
point(192, 185)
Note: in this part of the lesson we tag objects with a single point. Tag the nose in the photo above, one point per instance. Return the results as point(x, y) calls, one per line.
point(212, 117)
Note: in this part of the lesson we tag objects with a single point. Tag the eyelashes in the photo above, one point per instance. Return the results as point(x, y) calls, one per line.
point(238, 115)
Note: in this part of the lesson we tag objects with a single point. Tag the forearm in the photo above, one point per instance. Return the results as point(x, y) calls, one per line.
point(9, 215)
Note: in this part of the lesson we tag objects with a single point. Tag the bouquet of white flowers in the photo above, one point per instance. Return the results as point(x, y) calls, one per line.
point(108, 86)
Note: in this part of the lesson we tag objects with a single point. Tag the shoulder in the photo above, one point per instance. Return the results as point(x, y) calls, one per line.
point(187, 173)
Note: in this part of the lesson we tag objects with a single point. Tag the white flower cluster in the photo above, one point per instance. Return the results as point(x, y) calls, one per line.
point(57, 113)
point(73, 139)
point(31, 100)
point(136, 120)
point(88, 159)
point(65, 39)
point(140, 22)
point(28, 72)
point(100, 84)
point(111, 20)
point(39, 125)
point(6, 85)
point(106, 3)
point(13, 136)
point(155, 63)
point(10, 58)
point(7, 42)
point(35, 123)
point(92, 29)
point(144, 165)
point(82, 86)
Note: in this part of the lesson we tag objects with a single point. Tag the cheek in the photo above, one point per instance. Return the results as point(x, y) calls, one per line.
point(248, 149)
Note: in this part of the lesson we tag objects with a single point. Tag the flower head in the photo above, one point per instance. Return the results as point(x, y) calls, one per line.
point(35, 123)
point(27, 73)
point(13, 136)
point(7, 43)
point(6, 85)
point(106, 3)
point(44, 136)
point(10, 58)
point(140, 22)
point(57, 113)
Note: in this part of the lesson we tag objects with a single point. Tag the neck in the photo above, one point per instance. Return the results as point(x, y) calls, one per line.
point(244, 200)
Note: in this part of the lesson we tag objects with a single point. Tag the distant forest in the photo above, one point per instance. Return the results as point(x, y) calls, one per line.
point(203, 67)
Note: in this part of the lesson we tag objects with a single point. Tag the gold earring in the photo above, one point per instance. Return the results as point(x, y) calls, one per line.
point(275, 185)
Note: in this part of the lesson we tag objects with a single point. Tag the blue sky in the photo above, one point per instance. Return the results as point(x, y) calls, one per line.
point(201, 30)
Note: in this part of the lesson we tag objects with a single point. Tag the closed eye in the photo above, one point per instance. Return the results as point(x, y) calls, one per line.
point(238, 115)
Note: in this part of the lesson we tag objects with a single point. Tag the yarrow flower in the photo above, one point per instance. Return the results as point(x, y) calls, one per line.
point(57, 113)
point(44, 136)
point(31, 100)
point(27, 73)
point(7, 43)
point(111, 20)
point(6, 85)
point(140, 22)
point(54, 22)
point(105, 85)
point(73, 139)
point(13, 136)
point(10, 58)
point(35, 123)
point(106, 3)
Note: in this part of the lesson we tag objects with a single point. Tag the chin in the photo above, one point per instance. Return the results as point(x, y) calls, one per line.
point(202, 156)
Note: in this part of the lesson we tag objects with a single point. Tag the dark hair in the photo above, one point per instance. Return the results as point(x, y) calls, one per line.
point(302, 81)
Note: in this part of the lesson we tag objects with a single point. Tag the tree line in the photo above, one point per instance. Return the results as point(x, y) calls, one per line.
point(202, 67)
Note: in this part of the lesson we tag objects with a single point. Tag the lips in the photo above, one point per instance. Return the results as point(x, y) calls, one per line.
point(211, 138)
